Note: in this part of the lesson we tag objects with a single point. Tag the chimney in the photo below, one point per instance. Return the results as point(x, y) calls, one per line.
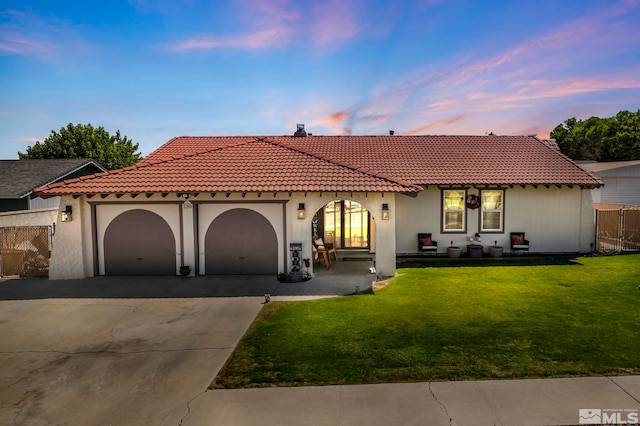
point(300, 132)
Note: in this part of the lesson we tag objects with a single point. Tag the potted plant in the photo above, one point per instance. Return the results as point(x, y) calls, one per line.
point(495, 250)
point(453, 251)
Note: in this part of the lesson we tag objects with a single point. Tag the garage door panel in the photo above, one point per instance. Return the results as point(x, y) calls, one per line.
point(241, 241)
point(139, 242)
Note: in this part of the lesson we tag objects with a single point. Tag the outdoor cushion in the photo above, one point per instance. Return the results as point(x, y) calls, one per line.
point(517, 239)
point(426, 242)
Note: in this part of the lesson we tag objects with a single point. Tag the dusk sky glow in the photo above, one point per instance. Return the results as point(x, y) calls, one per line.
point(155, 69)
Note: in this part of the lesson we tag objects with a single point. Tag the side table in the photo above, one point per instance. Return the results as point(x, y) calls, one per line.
point(474, 250)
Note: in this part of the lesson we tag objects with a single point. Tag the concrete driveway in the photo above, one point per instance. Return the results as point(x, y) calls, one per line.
point(109, 360)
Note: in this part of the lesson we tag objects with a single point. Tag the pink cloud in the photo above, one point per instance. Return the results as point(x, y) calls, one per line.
point(279, 23)
point(559, 88)
point(45, 38)
point(29, 139)
point(436, 124)
point(527, 83)
point(334, 122)
point(18, 44)
point(338, 116)
point(268, 11)
point(333, 21)
point(276, 36)
point(539, 131)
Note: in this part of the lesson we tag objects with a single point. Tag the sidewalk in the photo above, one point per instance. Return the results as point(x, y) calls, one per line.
point(491, 402)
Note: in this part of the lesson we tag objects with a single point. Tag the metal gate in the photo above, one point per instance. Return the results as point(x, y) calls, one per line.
point(25, 251)
point(618, 230)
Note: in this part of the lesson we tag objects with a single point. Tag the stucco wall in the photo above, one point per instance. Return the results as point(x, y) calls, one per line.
point(44, 217)
point(76, 249)
point(68, 255)
point(555, 220)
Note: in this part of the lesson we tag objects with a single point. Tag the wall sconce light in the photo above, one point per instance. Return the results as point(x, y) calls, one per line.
point(301, 211)
point(65, 215)
point(385, 211)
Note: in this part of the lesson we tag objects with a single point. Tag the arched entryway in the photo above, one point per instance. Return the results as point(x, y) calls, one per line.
point(344, 223)
point(139, 242)
point(241, 242)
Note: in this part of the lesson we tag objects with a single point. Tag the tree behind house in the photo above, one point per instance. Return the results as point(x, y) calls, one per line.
point(86, 141)
point(601, 139)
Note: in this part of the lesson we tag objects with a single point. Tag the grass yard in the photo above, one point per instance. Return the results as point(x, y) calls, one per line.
point(453, 323)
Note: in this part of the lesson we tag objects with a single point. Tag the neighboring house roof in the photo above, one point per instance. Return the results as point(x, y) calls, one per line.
point(595, 166)
point(18, 178)
point(336, 163)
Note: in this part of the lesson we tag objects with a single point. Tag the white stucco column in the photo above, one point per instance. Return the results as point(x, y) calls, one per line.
point(68, 257)
point(587, 221)
point(188, 254)
point(385, 237)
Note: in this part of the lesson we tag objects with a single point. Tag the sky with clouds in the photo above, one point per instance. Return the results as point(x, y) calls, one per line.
point(155, 69)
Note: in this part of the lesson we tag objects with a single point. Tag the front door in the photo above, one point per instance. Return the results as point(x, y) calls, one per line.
point(346, 224)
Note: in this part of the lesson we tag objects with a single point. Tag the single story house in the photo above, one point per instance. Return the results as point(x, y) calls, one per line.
point(18, 178)
point(234, 205)
point(621, 182)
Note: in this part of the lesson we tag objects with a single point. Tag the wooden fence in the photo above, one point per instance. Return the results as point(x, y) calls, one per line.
point(25, 251)
point(618, 230)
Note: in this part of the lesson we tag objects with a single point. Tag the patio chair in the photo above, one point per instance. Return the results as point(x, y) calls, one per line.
point(427, 245)
point(321, 256)
point(318, 243)
point(321, 251)
point(518, 243)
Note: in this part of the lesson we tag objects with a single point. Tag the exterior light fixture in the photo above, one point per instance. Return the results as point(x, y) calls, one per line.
point(301, 211)
point(385, 211)
point(65, 215)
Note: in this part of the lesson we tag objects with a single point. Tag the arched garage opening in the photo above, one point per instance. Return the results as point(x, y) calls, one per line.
point(139, 242)
point(241, 242)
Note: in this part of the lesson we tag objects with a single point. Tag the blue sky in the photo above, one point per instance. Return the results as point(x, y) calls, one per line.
point(155, 69)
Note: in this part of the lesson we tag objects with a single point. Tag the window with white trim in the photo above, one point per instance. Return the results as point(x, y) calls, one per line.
point(492, 211)
point(453, 210)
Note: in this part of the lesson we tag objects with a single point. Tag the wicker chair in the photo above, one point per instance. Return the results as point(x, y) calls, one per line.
point(427, 245)
point(518, 243)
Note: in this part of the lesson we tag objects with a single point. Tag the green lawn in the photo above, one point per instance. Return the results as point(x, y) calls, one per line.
point(453, 323)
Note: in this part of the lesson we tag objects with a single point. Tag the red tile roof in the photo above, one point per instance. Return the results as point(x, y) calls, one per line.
point(336, 163)
point(453, 160)
point(244, 165)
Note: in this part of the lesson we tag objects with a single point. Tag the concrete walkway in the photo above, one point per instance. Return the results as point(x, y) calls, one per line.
point(491, 402)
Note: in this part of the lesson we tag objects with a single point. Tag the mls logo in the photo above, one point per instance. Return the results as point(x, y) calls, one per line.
point(590, 416)
point(596, 416)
